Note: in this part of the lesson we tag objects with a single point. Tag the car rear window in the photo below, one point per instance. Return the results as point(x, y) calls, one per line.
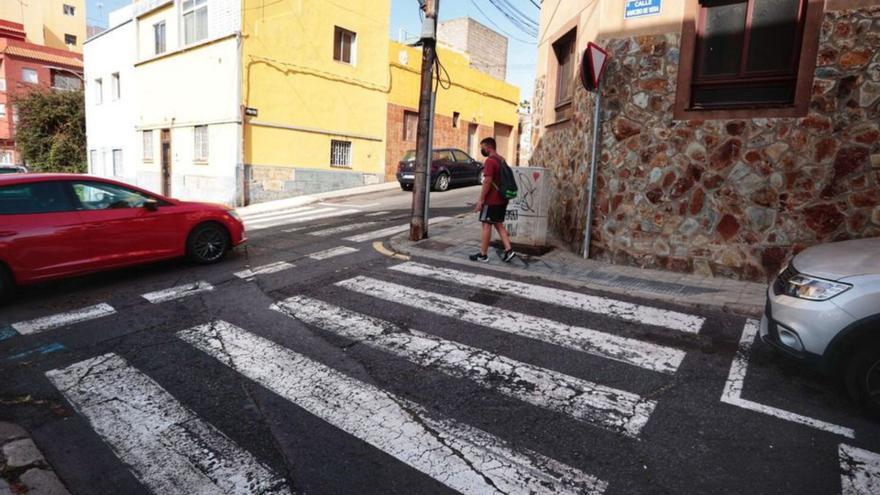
point(410, 156)
point(34, 197)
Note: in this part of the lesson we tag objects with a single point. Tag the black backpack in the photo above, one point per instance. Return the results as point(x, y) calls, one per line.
point(507, 188)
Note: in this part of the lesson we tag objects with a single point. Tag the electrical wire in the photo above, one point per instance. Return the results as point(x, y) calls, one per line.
point(524, 27)
point(535, 4)
point(499, 28)
point(525, 17)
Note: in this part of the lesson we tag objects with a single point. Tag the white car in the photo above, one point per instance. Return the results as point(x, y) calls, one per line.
point(824, 309)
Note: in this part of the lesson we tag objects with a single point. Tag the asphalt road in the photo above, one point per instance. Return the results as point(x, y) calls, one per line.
point(308, 362)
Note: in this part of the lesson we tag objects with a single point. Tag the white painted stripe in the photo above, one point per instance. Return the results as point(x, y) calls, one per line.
point(606, 407)
point(341, 229)
point(295, 229)
point(349, 205)
point(859, 471)
point(593, 304)
point(169, 449)
point(63, 319)
point(631, 351)
point(264, 269)
point(461, 457)
point(178, 292)
point(280, 218)
point(733, 388)
point(377, 214)
point(277, 213)
point(332, 253)
point(369, 236)
point(334, 213)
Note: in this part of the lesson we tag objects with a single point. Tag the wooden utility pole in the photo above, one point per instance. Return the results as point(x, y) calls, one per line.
point(418, 227)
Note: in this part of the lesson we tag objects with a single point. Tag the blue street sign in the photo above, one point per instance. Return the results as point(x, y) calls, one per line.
point(641, 8)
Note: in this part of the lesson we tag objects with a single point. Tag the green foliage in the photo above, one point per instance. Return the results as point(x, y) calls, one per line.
point(51, 130)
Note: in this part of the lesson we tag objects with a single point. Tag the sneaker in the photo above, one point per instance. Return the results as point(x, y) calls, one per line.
point(482, 258)
point(508, 256)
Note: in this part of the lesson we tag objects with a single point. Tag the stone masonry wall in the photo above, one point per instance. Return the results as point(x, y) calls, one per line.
point(734, 198)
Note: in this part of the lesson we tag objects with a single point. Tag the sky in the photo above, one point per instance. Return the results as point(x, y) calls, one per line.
point(522, 52)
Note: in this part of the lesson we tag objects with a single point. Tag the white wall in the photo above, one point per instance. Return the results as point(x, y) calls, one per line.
point(176, 90)
point(110, 125)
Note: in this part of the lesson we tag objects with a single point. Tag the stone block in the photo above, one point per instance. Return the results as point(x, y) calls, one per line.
point(10, 431)
point(42, 482)
point(20, 453)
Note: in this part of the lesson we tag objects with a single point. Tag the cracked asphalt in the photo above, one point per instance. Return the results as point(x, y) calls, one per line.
point(344, 392)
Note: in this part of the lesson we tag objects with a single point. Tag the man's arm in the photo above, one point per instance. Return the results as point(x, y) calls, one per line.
point(484, 191)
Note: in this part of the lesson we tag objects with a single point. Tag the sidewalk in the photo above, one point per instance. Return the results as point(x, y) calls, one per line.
point(296, 202)
point(24, 470)
point(454, 240)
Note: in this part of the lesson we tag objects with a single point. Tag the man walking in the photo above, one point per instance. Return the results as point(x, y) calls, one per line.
point(492, 205)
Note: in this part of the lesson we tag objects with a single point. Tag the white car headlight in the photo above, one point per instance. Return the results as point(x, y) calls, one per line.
point(814, 289)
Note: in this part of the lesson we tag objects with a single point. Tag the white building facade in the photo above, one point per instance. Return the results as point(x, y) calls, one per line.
point(180, 110)
point(110, 90)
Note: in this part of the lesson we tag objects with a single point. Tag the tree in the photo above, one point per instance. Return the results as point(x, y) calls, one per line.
point(51, 130)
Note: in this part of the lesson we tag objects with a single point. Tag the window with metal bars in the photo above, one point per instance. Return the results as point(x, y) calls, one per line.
point(747, 53)
point(340, 154)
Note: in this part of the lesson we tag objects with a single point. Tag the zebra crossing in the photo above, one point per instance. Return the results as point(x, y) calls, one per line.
point(262, 221)
point(171, 449)
point(462, 457)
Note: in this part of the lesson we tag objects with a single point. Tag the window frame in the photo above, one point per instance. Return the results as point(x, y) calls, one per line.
point(559, 116)
point(118, 165)
point(339, 34)
point(69, 10)
point(115, 87)
point(148, 147)
point(201, 145)
point(347, 154)
point(808, 48)
point(3, 110)
point(67, 39)
point(30, 70)
point(99, 91)
point(193, 9)
point(156, 38)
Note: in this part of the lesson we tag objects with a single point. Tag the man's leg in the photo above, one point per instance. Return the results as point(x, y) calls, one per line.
point(485, 238)
point(505, 237)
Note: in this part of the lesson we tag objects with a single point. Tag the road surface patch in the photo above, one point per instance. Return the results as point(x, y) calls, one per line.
point(859, 471)
point(264, 270)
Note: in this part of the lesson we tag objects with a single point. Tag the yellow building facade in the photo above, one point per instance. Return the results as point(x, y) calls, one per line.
point(316, 73)
point(53, 23)
point(473, 106)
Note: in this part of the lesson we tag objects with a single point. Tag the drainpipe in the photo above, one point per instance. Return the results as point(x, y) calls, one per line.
point(243, 183)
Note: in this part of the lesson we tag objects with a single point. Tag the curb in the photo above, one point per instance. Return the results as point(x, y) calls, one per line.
point(24, 469)
point(282, 204)
point(403, 246)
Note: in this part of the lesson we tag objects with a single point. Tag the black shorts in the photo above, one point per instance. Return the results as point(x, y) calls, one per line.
point(493, 213)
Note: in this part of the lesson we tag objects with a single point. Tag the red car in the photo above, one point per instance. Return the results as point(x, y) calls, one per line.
point(59, 225)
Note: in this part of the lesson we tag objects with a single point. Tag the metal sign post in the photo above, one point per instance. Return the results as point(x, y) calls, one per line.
point(592, 70)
